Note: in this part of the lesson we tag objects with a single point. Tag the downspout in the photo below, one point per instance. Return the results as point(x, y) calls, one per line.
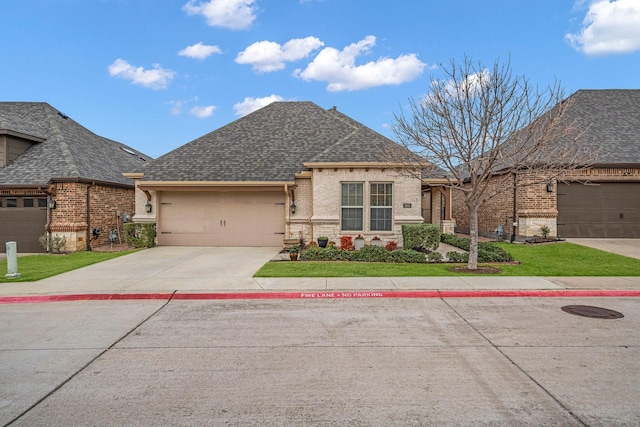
point(515, 195)
point(89, 215)
point(287, 217)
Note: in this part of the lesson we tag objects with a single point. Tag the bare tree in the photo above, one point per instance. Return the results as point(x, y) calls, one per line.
point(482, 127)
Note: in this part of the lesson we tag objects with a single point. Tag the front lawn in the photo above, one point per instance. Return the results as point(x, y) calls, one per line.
point(557, 259)
point(36, 267)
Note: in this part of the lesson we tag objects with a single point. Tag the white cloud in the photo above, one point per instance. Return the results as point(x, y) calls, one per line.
point(199, 51)
point(231, 14)
point(176, 107)
point(249, 105)
point(609, 27)
point(155, 78)
point(203, 112)
point(339, 68)
point(265, 56)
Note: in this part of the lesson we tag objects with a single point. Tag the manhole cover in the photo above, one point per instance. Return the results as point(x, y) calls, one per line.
point(590, 311)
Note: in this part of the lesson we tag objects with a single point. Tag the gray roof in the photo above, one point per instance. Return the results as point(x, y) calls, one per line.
point(270, 144)
point(68, 150)
point(613, 119)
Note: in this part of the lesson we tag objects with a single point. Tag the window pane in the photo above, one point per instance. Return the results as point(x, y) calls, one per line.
point(12, 203)
point(381, 194)
point(42, 203)
point(352, 219)
point(380, 219)
point(27, 203)
point(352, 194)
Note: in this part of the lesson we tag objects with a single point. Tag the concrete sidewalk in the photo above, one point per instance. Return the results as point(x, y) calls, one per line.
point(211, 269)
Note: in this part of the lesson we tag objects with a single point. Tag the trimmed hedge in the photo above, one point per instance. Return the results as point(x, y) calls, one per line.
point(487, 251)
point(420, 236)
point(140, 234)
point(369, 253)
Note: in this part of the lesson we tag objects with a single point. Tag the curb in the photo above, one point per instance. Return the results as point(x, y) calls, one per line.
point(31, 299)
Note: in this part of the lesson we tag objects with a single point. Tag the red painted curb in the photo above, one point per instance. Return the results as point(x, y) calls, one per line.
point(29, 299)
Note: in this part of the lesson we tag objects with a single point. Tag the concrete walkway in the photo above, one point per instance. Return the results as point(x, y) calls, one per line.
point(211, 269)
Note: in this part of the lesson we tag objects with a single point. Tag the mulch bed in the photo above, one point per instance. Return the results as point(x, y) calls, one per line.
point(116, 247)
point(479, 270)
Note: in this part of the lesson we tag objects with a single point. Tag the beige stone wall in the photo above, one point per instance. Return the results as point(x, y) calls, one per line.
point(326, 188)
point(141, 214)
point(300, 222)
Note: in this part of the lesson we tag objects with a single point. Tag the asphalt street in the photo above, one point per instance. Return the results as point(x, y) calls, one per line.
point(379, 362)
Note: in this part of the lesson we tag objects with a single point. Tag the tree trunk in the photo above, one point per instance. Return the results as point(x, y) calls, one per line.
point(473, 236)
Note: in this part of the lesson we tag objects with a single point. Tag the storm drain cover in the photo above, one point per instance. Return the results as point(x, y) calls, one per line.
point(590, 311)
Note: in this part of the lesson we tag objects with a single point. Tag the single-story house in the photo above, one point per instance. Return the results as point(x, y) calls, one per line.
point(601, 201)
point(289, 170)
point(58, 177)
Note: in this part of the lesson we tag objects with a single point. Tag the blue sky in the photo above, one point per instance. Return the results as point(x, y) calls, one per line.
point(156, 74)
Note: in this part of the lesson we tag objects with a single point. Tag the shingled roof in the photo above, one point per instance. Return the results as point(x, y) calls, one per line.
point(270, 144)
point(62, 148)
point(613, 120)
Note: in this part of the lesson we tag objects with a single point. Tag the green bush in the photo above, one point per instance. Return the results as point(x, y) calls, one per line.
point(316, 253)
point(140, 234)
point(434, 257)
point(420, 236)
point(407, 256)
point(454, 256)
point(487, 251)
point(370, 253)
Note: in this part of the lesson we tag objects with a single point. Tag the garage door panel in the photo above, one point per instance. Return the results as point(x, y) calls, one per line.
point(607, 210)
point(222, 218)
point(23, 226)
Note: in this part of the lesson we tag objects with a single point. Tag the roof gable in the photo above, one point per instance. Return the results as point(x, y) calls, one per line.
point(612, 122)
point(270, 144)
point(68, 150)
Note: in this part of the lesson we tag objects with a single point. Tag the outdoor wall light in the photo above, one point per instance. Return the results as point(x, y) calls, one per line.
point(293, 207)
point(148, 207)
point(549, 187)
point(51, 203)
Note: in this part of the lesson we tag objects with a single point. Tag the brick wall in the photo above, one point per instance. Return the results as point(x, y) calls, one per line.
point(535, 206)
point(70, 216)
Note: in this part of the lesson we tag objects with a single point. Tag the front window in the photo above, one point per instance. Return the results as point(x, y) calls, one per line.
point(352, 206)
point(381, 206)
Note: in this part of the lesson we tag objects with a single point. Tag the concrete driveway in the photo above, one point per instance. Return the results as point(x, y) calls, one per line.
point(163, 269)
point(626, 247)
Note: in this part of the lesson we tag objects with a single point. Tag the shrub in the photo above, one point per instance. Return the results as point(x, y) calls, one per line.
point(140, 235)
point(544, 230)
point(391, 246)
point(421, 236)
point(346, 243)
point(316, 253)
point(434, 257)
point(55, 243)
point(370, 253)
point(487, 251)
point(407, 256)
point(454, 256)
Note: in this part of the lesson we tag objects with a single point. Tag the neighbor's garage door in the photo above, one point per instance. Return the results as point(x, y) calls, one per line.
point(221, 218)
point(22, 220)
point(603, 210)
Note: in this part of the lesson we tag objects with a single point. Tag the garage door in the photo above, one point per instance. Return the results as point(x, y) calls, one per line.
point(603, 210)
point(221, 218)
point(22, 220)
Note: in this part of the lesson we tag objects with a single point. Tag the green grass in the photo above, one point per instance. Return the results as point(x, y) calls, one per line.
point(558, 259)
point(36, 267)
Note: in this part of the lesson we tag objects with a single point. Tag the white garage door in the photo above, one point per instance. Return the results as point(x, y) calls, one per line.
point(221, 218)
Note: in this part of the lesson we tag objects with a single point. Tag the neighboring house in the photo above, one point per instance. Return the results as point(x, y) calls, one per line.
point(288, 170)
point(58, 177)
point(603, 201)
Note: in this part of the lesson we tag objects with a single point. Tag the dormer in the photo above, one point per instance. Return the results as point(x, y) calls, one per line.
point(13, 144)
